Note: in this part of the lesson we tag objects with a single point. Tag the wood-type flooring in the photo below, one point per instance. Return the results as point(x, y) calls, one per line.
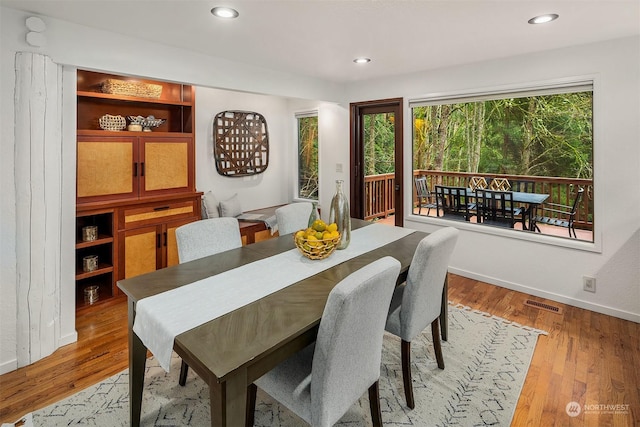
point(588, 358)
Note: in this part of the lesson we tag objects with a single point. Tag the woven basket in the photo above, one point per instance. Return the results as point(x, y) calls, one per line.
point(128, 88)
point(109, 122)
point(316, 249)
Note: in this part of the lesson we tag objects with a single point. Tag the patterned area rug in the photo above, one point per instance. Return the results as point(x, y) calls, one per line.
point(486, 361)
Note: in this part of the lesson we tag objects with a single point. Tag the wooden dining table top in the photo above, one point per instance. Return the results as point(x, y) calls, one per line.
point(259, 329)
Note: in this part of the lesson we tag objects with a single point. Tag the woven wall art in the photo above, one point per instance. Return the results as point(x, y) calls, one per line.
point(241, 143)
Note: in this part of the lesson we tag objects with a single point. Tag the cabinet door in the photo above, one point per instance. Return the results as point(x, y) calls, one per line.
point(140, 251)
point(106, 168)
point(168, 165)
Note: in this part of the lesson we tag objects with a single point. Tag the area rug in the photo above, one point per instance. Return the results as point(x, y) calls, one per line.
point(486, 360)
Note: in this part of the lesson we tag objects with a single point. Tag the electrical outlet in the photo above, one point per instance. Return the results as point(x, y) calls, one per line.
point(589, 284)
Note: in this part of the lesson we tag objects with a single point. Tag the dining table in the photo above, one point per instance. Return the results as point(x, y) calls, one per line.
point(234, 348)
point(531, 200)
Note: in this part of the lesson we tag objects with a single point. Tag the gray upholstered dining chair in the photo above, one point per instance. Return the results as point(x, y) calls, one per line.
point(321, 382)
point(418, 301)
point(203, 238)
point(293, 217)
point(207, 237)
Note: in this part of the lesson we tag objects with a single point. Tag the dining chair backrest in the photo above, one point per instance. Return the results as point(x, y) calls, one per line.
point(496, 207)
point(477, 182)
point(523, 186)
point(421, 300)
point(207, 237)
point(500, 184)
point(453, 202)
point(347, 356)
point(421, 187)
point(293, 217)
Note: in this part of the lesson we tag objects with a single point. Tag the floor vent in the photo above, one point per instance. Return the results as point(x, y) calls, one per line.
point(543, 306)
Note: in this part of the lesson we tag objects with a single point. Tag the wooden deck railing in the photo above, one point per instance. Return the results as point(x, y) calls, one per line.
point(379, 194)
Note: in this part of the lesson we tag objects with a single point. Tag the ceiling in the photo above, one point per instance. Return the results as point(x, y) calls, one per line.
point(320, 38)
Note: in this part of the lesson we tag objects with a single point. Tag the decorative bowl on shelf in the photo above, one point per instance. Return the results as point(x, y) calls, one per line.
point(114, 123)
point(147, 123)
point(318, 241)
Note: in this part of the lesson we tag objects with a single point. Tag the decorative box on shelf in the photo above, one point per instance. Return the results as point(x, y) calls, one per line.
point(132, 88)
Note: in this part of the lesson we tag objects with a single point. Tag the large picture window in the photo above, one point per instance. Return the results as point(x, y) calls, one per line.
point(538, 141)
point(308, 156)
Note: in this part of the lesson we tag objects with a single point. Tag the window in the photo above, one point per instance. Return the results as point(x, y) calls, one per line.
point(308, 155)
point(540, 140)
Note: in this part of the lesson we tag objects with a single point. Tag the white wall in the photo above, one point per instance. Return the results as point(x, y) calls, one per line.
point(269, 188)
point(533, 265)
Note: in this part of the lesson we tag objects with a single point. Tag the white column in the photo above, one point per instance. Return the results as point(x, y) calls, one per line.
point(38, 172)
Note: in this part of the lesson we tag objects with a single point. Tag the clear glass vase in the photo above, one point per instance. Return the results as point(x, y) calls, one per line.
point(314, 214)
point(340, 214)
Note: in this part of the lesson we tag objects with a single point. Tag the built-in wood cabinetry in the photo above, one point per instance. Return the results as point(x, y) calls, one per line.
point(137, 187)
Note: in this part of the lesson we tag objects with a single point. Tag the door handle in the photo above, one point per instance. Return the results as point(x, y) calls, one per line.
point(135, 169)
point(142, 169)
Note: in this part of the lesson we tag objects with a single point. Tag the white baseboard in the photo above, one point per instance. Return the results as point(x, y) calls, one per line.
point(68, 339)
point(633, 317)
point(12, 365)
point(8, 366)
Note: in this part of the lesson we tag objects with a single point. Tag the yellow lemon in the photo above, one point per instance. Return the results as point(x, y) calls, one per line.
point(312, 241)
point(300, 235)
point(332, 227)
point(318, 225)
point(335, 234)
point(326, 235)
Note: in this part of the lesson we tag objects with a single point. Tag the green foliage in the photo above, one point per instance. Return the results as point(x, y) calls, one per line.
point(308, 157)
point(549, 135)
point(379, 143)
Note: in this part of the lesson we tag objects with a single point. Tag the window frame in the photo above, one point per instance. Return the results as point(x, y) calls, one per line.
point(547, 87)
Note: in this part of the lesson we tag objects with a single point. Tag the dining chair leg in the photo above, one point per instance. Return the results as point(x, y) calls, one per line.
point(435, 332)
point(405, 351)
point(184, 369)
point(374, 405)
point(252, 390)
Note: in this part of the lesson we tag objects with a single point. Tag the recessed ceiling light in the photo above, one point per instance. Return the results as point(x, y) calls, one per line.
point(225, 12)
point(542, 19)
point(361, 60)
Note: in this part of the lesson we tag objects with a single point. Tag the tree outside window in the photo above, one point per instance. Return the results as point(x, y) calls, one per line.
point(308, 157)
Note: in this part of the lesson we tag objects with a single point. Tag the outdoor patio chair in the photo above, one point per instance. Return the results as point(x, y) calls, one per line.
point(454, 203)
point(424, 196)
point(559, 215)
point(523, 186)
point(496, 208)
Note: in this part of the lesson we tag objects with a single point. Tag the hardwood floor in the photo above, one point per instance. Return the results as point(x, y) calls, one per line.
point(589, 358)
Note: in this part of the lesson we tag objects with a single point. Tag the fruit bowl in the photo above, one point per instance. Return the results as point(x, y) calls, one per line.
point(318, 241)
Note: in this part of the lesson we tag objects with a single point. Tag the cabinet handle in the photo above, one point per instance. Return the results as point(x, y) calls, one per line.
point(142, 169)
point(161, 208)
point(165, 238)
point(135, 169)
point(158, 242)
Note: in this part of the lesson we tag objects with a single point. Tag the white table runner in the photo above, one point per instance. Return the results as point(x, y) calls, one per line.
point(160, 318)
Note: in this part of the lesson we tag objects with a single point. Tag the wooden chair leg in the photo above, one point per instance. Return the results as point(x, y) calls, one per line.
point(252, 390)
point(374, 404)
point(184, 369)
point(405, 350)
point(435, 332)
